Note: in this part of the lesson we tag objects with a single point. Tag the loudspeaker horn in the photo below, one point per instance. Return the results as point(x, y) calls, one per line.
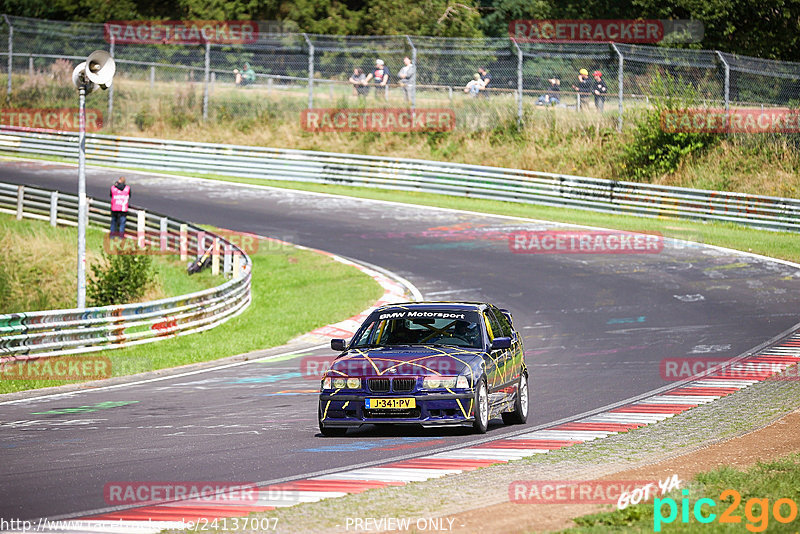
point(100, 68)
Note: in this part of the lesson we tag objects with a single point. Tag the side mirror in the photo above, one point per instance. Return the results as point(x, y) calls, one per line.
point(501, 343)
point(339, 345)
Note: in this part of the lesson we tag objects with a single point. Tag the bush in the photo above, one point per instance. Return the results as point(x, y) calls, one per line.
point(653, 151)
point(120, 279)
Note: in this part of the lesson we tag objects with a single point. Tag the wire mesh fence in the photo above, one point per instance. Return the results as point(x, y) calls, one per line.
point(485, 82)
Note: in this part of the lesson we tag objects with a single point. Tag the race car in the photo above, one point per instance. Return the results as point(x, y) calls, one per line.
point(429, 364)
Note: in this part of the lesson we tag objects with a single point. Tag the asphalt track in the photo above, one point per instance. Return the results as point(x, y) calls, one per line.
point(596, 328)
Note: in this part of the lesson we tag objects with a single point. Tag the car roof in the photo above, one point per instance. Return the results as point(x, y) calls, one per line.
point(436, 305)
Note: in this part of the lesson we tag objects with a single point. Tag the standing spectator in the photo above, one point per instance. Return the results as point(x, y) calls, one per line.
point(408, 79)
point(359, 81)
point(120, 197)
point(474, 86)
point(584, 86)
point(246, 77)
point(485, 79)
point(551, 98)
point(380, 76)
point(599, 90)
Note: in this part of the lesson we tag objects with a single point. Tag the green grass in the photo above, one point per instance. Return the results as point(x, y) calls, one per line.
point(293, 292)
point(779, 479)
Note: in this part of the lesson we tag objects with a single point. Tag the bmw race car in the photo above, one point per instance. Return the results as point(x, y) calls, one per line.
point(429, 364)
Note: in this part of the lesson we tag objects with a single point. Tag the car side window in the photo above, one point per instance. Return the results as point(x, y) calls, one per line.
point(496, 328)
point(502, 320)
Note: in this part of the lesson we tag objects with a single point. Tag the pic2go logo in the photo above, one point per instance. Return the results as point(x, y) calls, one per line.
point(756, 511)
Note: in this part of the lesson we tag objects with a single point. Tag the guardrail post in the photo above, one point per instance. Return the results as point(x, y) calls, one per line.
point(237, 266)
point(20, 200)
point(619, 82)
point(184, 245)
point(110, 117)
point(54, 208)
point(140, 228)
point(162, 227)
point(226, 259)
point(310, 72)
point(201, 243)
point(206, 80)
point(215, 257)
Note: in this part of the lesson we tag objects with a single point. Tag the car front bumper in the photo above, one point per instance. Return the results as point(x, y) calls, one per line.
point(431, 409)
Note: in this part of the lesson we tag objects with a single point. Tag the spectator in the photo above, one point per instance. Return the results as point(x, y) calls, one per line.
point(246, 77)
point(408, 79)
point(359, 81)
point(584, 86)
point(485, 79)
point(474, 86)
point(380, 76)
point(551, 98)
point(599, 90)
point(120, 197)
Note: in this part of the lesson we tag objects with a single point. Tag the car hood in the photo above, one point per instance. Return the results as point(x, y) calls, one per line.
point(405, 361)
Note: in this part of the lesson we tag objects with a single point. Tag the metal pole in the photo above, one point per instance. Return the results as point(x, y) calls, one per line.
point(205, 80)
point(413, 87)
point(82, 199)
point(519, 81)
point(619, 82)
point(152, 76)
point(310, 72)
point(727, 79)
point(111, 92)
point(10, 55)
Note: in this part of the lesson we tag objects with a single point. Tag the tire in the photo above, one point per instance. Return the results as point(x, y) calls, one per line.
point(481, 423)
point(520, 414)
point(330, 431)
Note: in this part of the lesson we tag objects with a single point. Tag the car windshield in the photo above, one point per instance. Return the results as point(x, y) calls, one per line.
point(418, 327)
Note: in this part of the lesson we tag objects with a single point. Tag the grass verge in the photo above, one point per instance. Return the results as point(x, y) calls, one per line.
point(751, 503)
point(293, 292)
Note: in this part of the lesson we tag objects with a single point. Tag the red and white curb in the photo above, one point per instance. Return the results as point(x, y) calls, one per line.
point(179, 514)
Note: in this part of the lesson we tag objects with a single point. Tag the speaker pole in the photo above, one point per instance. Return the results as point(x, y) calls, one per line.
point(82, 198)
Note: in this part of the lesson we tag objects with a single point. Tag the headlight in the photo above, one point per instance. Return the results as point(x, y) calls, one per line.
point(439, 382)
point(341, 383)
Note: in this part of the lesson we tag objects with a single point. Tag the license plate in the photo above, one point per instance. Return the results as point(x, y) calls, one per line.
point(390, 404)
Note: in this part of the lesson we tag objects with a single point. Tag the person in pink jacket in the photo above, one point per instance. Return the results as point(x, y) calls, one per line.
point(120, 197)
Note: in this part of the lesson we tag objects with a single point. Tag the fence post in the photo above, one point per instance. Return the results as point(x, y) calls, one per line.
point(519, 81)
point(20, 200)
point(237, 266)
point(140, 228)
point(413, 87)
point(215, 257)
point(226, 259)
point(184, 242)
point(206, 80)
point(619, 82)
point(162, 227)
point(54, 208)
point(152, 77)
point(310, 71)
point(727, 87)
point(110, 117)
point(30, 65)
point(10, 55)
point(201, 243)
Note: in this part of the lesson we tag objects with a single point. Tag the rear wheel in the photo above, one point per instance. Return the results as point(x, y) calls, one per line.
point(481, 408)
point(520, 413)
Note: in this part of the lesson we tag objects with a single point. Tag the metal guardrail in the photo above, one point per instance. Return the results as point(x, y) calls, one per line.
point(61, 332)
point(474, 181)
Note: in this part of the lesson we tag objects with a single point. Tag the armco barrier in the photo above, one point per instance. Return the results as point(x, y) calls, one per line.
point(60, 332)
point(474, 181)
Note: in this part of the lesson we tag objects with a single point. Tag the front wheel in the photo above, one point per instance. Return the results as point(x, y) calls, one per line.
point(520, 414)
point(481, 409)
